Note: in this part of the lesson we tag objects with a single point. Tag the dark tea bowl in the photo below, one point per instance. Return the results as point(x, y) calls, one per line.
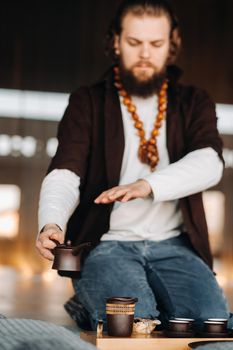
point(189, 320)
point(214, 327)
point(179, 326)
point(224, 320)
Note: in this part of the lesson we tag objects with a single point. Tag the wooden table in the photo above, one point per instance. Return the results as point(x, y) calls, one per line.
point(155, 341)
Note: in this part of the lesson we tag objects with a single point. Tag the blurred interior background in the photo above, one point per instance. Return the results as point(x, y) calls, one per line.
point(48, 49)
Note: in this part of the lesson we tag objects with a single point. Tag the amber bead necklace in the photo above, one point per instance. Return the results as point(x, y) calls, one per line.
point(148, 150)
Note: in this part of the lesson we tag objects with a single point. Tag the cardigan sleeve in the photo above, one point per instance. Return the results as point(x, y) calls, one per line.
point(201, 125)
point(74, 135)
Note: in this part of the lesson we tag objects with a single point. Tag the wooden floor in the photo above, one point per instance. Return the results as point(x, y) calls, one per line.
point(42, 296)
point(34, 297)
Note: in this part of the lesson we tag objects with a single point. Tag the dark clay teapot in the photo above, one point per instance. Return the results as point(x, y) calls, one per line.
point(68, 258)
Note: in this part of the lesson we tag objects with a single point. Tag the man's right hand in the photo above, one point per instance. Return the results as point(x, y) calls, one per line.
point(44, 242)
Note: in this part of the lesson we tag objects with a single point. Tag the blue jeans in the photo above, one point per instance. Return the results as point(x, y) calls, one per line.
point(168, 278)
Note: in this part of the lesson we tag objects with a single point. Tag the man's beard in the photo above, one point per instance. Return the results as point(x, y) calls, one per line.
point(141, 88)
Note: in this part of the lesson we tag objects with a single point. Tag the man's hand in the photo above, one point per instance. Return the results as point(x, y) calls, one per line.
point(125, 193)
point(44, 243)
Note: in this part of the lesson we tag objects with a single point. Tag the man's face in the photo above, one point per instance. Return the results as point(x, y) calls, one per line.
point(143, 45)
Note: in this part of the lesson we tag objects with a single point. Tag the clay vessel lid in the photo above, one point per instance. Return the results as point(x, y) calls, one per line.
point(64, 246)
point(68, 246)
point(122, 300)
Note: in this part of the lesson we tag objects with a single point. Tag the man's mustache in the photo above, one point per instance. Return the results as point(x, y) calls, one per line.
point(144, 64)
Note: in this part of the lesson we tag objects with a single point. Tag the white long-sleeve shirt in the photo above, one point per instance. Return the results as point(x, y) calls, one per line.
point(153, 218)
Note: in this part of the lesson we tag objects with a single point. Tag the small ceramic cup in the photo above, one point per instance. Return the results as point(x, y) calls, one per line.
point(214, 327)
point(224, 320)
point(179, 326)
point(189, 320)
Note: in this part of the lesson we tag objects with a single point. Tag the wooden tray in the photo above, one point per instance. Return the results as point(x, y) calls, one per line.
point(154, 341)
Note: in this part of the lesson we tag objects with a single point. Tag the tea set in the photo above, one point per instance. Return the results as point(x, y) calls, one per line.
point(120, 310)
point(121, 322)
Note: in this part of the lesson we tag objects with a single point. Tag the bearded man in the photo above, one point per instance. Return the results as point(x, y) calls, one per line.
point(135, 152)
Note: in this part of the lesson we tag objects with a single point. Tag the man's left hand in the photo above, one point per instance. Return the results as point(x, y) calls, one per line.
point(125, 193)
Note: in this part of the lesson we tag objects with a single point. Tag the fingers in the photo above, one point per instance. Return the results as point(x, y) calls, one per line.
point(46, 253)
point(111, 195)
point(128, 196)
point(121, 194)
point(45, 242)
point(124, 193)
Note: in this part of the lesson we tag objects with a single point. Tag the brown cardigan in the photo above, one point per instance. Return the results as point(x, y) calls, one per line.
point(91, 144)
